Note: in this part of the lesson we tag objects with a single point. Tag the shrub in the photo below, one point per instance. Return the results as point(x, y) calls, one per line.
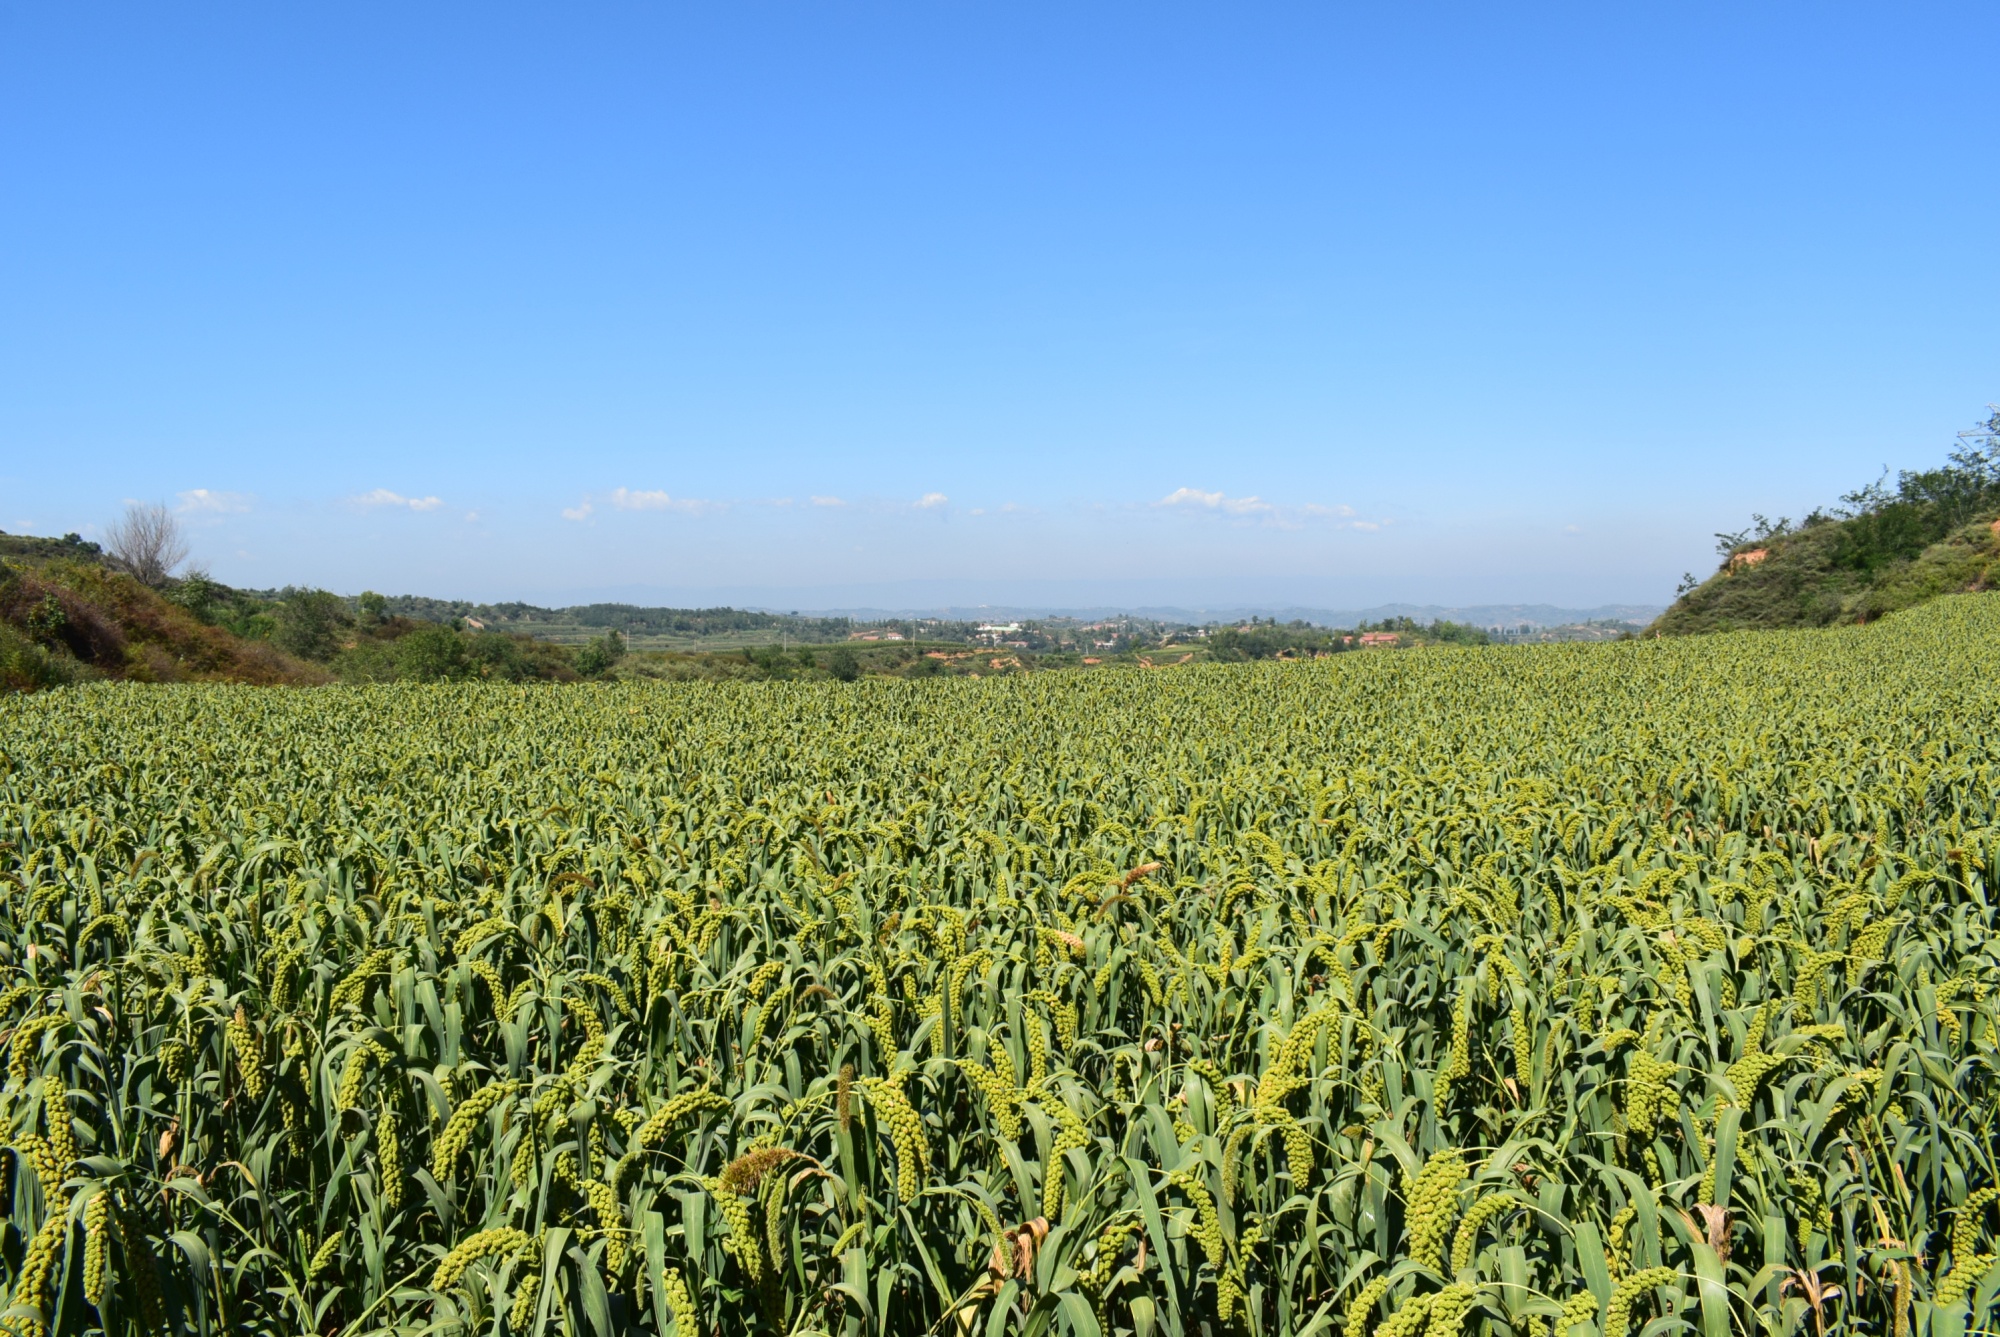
point(28, 667)
point(196, 593)
point(61, 619)
point(309, 624)
point(493, 655)
point(843, 664)
point(367, 661)
point(432, 654)
point(596, 659)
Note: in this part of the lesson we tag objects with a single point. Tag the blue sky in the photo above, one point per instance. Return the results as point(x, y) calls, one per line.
point(822, 304)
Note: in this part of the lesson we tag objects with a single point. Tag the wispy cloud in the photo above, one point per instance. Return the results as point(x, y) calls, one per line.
point(828, 501)
point(1196, 500)
point(382, 496)
point(205, 501)
point(628, 499)
point(1216, 501)
point(931, 500)
point(642, 499)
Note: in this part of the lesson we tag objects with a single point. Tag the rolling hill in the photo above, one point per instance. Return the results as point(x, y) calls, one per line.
point(1883, 549)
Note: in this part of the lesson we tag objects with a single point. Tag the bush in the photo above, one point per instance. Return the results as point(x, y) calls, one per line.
point(432, 654)
point(197, 593)
point(595, 659)
point(61, 619)
point(28, 667)
point(369, 661)
point(494, 656)
point(308, 623)
point(1456, 633)
point(1269, 640)
point(843, 664)
point(47, 621)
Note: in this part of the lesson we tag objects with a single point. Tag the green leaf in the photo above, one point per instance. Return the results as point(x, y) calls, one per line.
point(1713, 1288)
point(1590, 1259)
point(653, 1230)
point(1078, 1315)
point(1728, 1125)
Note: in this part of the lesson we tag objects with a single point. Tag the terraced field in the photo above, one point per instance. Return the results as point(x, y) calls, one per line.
point(1587, 990)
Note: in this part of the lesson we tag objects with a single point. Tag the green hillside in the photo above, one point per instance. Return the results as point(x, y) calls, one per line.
point(67, 615)
point(1884, 548)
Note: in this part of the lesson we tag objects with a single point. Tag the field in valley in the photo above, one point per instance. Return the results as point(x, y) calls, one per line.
point(1565, 991)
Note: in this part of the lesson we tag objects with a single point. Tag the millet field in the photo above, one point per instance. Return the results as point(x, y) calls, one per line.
point(1593, 991)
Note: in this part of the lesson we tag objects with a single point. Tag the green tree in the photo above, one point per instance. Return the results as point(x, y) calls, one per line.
point(597, 658)
point(494, 657)
point(197, 593)
point(308, 623)
point(374, 609)
point(432, 653)
point(843, 664)
point(368, 661)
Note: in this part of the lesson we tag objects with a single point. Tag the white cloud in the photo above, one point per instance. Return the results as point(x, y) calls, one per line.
point(204, 501)
point(828, 501)
point(930, 500)
point(642, 499)
point(1368, 525)
point(382, 496)
point(1216, 501)
point(626, 499)
point(1284, 517)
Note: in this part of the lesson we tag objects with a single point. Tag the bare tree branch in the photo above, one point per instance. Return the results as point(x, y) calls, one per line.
point(147, 541)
